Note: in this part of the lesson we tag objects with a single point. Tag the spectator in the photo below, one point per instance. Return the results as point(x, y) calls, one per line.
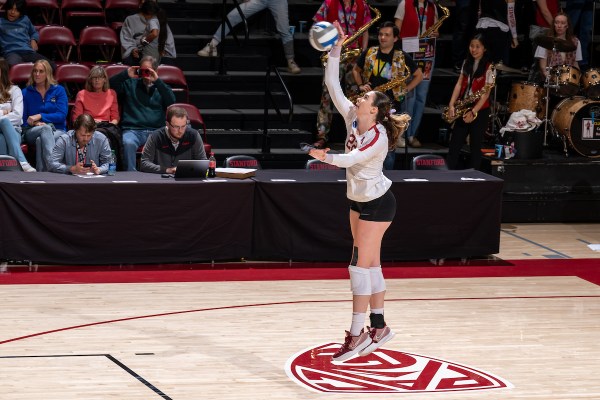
point(497, 23)
point(581, 14)
point(18, 37)
point(279, 10)
point(464, 25)
point(45, 107)
point(352, 15)
point(11, 117)
point(139, 34)
point(545, 11)
point(146, 97)
point(100, 101)
point(81, 150)
point(166, 41)
point(171, 143)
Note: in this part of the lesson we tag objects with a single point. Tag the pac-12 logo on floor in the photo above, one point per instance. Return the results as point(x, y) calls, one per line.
point(385, 371)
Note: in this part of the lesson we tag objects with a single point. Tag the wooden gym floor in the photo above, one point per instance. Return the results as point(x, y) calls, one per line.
point(520, 325)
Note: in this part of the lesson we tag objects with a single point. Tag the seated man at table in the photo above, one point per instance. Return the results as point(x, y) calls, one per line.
point(81, 150)
point(144, 97)
point(171, 143)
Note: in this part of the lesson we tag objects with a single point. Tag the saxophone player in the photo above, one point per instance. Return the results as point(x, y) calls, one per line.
point(380, 65)
point(352, 16)
point(477, 72)
point(417, 19)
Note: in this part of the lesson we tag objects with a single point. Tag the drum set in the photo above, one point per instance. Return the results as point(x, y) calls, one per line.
point(574, 99)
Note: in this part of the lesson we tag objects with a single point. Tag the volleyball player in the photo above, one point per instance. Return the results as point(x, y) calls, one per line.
point(372, 129)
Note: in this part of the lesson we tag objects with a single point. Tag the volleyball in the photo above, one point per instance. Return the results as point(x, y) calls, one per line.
point(322, 36)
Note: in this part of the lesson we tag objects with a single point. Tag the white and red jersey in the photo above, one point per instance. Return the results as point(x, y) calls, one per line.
point(364, 154)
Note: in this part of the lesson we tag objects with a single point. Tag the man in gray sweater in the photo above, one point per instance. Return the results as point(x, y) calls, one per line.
point(171, 143)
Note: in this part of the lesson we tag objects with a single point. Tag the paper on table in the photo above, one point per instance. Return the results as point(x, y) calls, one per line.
point(125, 181)
point(32, 181)
point(415, 180)
point(87, 176)
point(595, 247)
point(471, 179)
point(283, 180)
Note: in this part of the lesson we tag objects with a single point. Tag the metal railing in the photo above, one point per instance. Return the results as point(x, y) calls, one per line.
point(225, 21)
point(266, 143)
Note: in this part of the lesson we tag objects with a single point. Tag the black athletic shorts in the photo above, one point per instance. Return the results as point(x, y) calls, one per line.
point(381, 209)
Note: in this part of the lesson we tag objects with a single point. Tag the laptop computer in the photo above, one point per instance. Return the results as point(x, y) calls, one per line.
point(191, 169)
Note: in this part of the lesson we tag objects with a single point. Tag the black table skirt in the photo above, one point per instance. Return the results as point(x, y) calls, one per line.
point(278, 215)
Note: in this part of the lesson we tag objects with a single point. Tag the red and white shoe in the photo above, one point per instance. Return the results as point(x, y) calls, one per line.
point(378, 338)
point(352, 346)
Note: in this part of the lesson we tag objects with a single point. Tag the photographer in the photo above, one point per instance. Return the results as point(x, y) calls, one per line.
point(81, 150)
point(144, 98)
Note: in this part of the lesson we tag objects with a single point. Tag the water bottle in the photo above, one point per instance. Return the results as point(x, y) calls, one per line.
point(212, 165)
point(112, 163)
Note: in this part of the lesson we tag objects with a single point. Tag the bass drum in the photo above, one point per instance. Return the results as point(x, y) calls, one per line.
point(577, 119)
point(528, 96)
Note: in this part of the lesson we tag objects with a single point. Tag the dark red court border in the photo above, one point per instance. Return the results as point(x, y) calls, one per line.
point(588, 269)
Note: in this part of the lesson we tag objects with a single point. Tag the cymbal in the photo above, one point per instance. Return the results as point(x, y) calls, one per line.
point(551, 43)
point(502, 67)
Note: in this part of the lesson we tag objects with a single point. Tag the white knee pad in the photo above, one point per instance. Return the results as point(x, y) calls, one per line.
point(360, 281)
point(377, 280)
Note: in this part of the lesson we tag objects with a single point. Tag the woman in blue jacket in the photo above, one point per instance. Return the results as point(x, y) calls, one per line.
point(45, 107)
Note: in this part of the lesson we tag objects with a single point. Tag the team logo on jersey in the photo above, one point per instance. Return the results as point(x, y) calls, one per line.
point(385, 371)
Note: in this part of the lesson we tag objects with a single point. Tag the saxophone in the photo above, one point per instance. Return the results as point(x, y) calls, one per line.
point(353, 53)
point(437, 23)
point(462, 106)
point(391, 84)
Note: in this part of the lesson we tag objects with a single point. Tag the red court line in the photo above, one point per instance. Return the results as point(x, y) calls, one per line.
point(588, 269)
point(112, 321)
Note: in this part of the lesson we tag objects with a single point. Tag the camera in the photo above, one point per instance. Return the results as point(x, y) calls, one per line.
point(87, 165)
point(142, 72)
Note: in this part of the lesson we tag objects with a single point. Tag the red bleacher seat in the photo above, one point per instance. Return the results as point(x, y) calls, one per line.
point(19, 74)
point(60, 37)
point(47, 9)
point(88, 9)
point(102, 37)
point(174, 77)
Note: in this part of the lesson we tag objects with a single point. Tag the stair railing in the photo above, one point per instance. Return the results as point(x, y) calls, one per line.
point(225, 21)
point(266, 142)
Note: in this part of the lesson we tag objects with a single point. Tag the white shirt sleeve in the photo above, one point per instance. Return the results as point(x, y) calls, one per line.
point(578, 55)
point(400, 10)
point(512, 21)
point(360, 155)
point(15, 115)
point(540, 52)
point(332, 81)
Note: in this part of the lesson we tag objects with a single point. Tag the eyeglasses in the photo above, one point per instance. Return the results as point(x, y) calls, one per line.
point(180, 128)
point(97, 78)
